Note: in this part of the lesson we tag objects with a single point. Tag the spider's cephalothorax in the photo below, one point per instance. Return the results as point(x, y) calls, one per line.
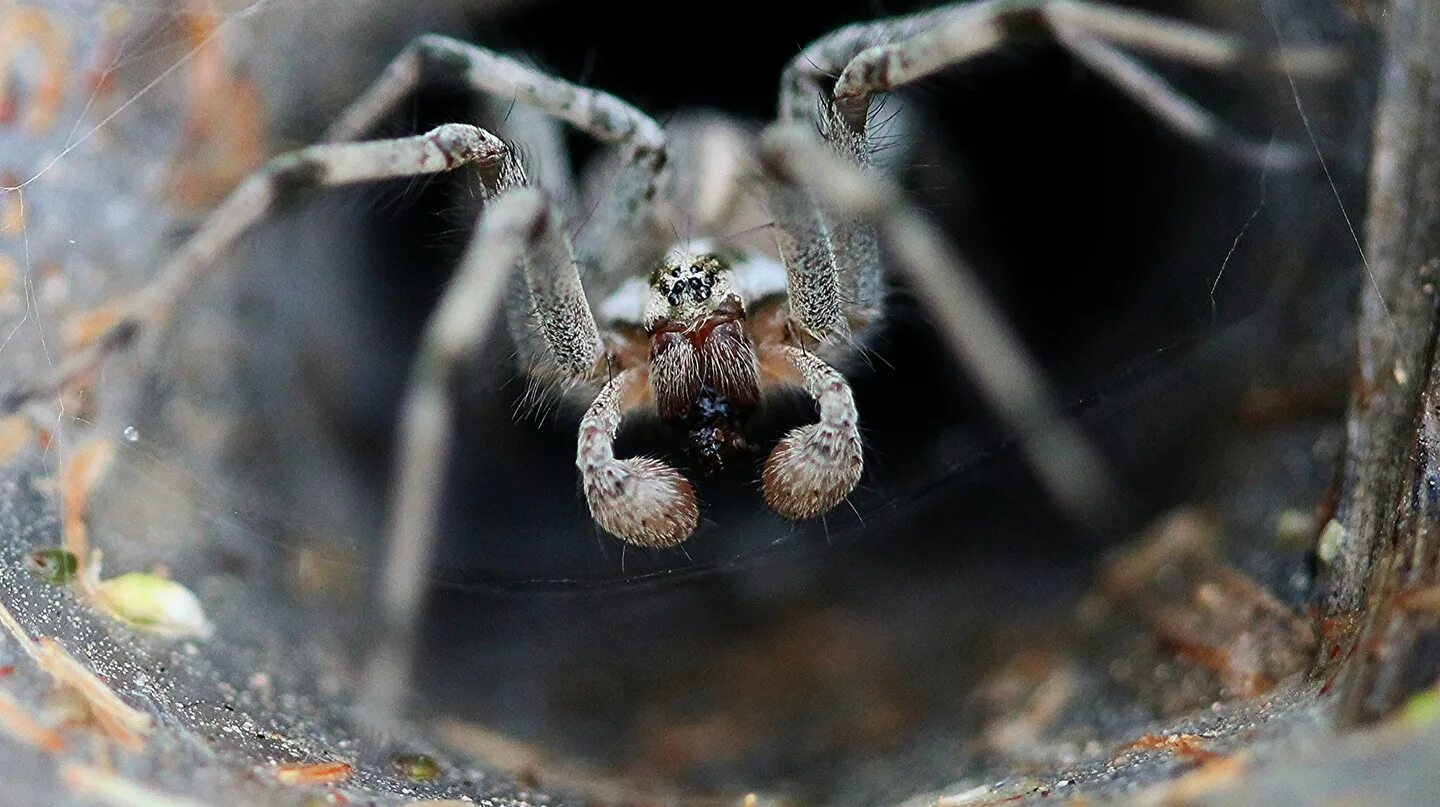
point(704, 372)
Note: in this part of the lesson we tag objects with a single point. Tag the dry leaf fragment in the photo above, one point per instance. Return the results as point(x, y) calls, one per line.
point(83, 329)
point(118, 720)
point(18, 723)
point(12, 627)
point(312, 773)
point(14, 435)
point(81, 472)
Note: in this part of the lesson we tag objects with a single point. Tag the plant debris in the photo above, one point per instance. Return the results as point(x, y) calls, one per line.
point(20, 724)
point(116, 719)
point(54, 566)
point(153, 603)
point(108, 788)
point(1204, 613)
point(79, 475)
point(1184, 746)
point(14, 434)
point(312, 773)
point(416, 767)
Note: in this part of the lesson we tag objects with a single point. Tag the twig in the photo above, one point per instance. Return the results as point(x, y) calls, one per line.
point(1386, 510)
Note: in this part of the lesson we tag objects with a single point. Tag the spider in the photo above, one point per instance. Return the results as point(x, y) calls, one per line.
point(625, 320)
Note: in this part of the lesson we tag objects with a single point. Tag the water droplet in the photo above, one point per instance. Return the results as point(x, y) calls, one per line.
point(131, 434)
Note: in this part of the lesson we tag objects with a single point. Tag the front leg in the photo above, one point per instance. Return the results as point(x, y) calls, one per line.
point(833, 276)
point(626, 217)
point(974, 330)
point(459, 327)
point(641, 500)
point(448, 147)
point(816, 466)
point(869, 58)
point(554, 330)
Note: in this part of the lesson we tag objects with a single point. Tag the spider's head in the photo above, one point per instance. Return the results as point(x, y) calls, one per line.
point(703, 370)
point(688, 286)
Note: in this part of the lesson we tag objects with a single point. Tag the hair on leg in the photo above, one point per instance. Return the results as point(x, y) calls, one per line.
point(627, 214)
point(814, 467)
point(642, 500)
point(877, 57)
point(444, 148)
point(975, 332)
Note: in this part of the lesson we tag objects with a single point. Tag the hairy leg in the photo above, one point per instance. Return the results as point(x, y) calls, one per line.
point(550, 319)
point(642, 500)
point(975, 331)
point(445, 148)
point(833, 275)
point(870, 58)
point(627, 211)
point(825, 225)
point(814, 467)
point(520, 229)
point(456, 330)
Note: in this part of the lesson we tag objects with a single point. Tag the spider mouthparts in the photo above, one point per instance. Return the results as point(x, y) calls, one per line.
point(715, 431)
point(712, 446)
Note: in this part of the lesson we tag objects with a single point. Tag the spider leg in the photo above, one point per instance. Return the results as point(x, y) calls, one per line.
point(814, 467)
point(550, 318)
point(834, 283)
point(442, 149)
point(520, 229)
point(641, 500)
point(868, 58)
point(511, 228)
point(554, 330)
point(598, 114)
point(713, 156)
point(1180, 112)
point(832, 260)
point(976, 332)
